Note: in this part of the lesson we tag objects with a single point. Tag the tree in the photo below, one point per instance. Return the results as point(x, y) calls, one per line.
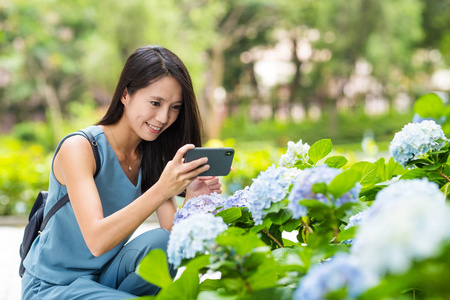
point(40, 51)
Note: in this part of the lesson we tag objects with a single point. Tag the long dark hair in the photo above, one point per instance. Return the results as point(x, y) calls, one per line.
point(143, 67)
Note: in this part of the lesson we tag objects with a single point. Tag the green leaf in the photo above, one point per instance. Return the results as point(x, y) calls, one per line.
point(198, 262)
point(210, 284)
point(275, 207)
point(213, 295)
point(281, 253)
point(429, 106)
point(279, 293)
point(446, 189)
point(229, 215)
point(433, 167)
point(343, 182)
point(319, 188)
point(393, 168)
point(381, 169)
point(242, 242)
point(257, 228)
point(414, 173)
point(347, 234)
point(281, 217)
point(154, 268)
point(435, 176)
point(340, 211)
point(291, 225)
point(313, 204)
point(319, 150)
point(368, 172)
point(185, 288)
point(337, 161)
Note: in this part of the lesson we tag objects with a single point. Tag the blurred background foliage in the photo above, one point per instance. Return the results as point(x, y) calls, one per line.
point(265, 72)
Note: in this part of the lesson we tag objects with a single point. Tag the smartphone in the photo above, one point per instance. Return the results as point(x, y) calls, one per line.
point(219, 159)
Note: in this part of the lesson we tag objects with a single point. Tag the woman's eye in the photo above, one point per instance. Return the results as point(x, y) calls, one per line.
point(155, 103)
point(178, 107)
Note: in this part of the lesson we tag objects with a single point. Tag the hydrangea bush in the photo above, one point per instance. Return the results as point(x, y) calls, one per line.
point(415, 140)
point(314, 227)
point(190, 236)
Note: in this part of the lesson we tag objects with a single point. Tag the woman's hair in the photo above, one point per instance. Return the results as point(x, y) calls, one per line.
point(143, 67)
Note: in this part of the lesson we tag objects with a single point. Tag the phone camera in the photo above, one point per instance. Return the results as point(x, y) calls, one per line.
point(228, 153)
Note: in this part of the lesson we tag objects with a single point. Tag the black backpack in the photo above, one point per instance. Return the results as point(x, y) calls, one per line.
point(36, 220)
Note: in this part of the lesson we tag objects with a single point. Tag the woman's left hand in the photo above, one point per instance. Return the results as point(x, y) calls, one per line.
point(204, 185)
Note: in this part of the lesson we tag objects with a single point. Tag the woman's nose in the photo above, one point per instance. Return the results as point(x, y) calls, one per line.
point(163, 116)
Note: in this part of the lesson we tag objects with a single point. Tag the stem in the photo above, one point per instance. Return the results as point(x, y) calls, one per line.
point(247, 285)
point(444, 176)
point(307, 227)
point(272, 237)
point(336, 232)
point(249, 288)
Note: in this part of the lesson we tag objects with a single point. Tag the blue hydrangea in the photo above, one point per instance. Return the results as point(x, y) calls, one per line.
point(238, 199)
point(302, 189)
point(355, 220)
point(415, 140)
point(408, 221)
point(269, 187)
point(192, 236)
point(296, 152)
point(201, 204)
point(341, 272)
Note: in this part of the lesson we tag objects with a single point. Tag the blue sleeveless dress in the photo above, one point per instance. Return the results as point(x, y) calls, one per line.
point(60, 264)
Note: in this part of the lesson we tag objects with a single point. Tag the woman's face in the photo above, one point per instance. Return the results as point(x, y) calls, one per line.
point(153, 109)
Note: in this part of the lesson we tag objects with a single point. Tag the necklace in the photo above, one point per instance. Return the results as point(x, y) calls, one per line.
point(130, 166)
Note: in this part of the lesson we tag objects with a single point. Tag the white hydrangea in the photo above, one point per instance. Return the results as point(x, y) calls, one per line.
point(295, 152)
point(291, 175)
point(195, 234)
point(408, 222)
point(415, 140)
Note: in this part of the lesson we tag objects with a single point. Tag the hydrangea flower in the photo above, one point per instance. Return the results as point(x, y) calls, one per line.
point(269, 187)
point(407, 189)
point(238, 199)
point(355, 220)
point(295, 152)
point(302, 189)
point(291, 175)
point(193, 235)
point(338, 273)
point(408, 222)
point(415, 140)
point(201, 204)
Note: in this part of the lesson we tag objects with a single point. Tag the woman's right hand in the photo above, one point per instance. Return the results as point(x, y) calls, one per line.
point(177, 175)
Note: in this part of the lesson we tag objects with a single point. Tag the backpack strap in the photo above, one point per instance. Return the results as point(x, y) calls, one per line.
point(61, 202)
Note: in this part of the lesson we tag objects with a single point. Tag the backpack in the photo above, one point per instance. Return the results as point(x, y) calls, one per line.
point(36, 220)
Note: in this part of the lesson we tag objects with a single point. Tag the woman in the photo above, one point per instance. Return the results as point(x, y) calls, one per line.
point(152, 122)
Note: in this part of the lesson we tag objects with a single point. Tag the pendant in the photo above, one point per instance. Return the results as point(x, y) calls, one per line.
point(130, 168)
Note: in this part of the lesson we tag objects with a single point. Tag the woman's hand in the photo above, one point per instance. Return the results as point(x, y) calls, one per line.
point(177, 175)
point(204, 185)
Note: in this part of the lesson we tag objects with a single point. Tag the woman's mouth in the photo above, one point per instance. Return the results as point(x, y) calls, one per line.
point(153, 129)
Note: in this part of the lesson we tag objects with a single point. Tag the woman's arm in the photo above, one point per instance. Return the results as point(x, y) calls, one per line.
point(74, 166)
point(166, 212)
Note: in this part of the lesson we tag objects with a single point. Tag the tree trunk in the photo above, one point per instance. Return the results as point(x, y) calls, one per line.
point(52, 100)
point(213, 111)
point(295, 84)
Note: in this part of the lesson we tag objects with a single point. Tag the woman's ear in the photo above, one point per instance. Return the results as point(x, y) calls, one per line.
point(125, 97)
